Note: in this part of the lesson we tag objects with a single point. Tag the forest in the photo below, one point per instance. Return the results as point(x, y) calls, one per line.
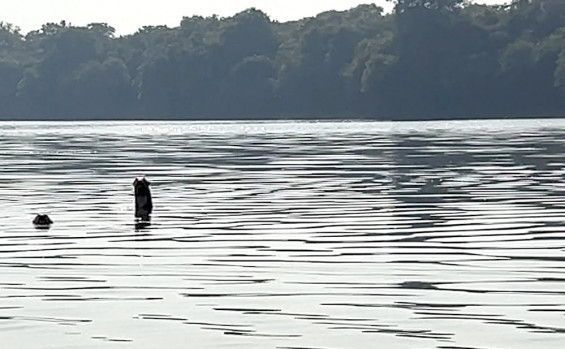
point(428, 59)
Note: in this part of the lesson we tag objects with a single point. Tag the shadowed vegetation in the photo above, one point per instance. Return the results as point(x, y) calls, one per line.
point(427, 59)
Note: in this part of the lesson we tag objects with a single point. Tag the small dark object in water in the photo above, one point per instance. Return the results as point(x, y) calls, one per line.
point(42, 221)
point(143, 201)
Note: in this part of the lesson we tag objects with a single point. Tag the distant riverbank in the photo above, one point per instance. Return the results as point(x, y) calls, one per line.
point(426, 60)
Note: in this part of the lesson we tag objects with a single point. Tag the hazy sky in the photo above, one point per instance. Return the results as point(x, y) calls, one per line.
point(129, 15)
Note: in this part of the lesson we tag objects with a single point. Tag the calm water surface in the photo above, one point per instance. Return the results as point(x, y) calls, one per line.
point(284, 235)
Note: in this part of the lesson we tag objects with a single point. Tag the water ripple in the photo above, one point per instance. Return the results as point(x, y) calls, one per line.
point(284, 235)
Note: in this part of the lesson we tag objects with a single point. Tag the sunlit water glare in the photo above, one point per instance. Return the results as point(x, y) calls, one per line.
point(284, 235)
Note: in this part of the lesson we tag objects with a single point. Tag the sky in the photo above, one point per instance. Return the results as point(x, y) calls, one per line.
point(127, 16)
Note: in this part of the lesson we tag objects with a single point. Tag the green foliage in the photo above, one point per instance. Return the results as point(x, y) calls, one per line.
point(247, 34)
point(518, 55)
point(427, 59)
point(373, 58)
point(402, 6)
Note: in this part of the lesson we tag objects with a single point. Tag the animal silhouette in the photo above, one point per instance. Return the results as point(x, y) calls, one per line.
point(42, 221)
point(143, 200)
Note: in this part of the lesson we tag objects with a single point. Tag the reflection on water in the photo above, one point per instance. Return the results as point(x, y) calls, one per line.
point(284, 235)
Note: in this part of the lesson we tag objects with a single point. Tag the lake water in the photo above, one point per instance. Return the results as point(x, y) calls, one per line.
point(284, 235)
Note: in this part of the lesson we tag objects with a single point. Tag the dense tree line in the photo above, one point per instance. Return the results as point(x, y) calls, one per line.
point(427, 59)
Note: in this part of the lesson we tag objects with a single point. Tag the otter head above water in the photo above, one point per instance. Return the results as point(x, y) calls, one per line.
point(143, 201)
point(42, 221)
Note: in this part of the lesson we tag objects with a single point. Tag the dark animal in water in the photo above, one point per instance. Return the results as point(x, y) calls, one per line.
point(42, 221)
point(143, 201)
